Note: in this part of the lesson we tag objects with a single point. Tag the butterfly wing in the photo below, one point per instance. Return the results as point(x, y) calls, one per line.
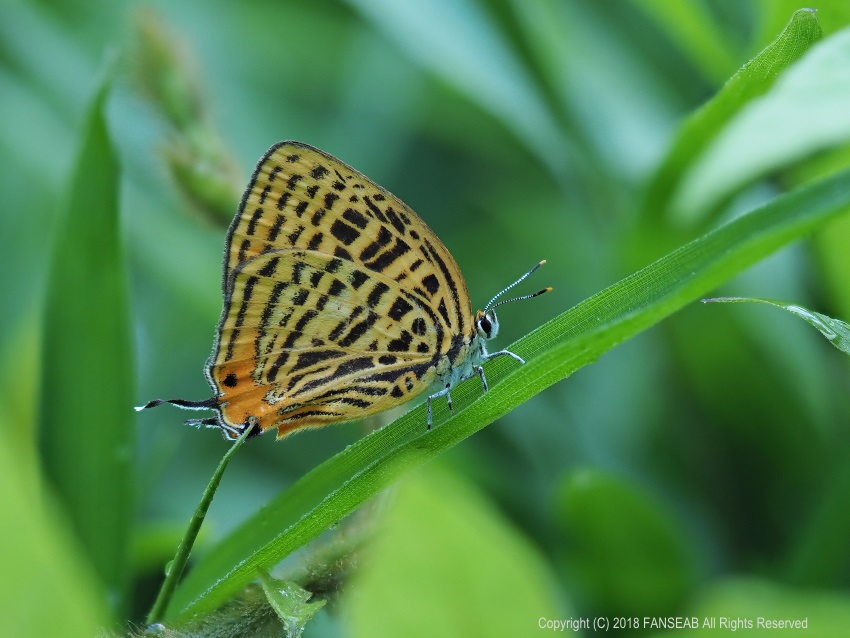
point(312, 339)
point(310, 225)
point(301, 197)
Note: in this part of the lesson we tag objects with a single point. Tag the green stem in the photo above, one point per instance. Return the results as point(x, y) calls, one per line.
point(184, 549)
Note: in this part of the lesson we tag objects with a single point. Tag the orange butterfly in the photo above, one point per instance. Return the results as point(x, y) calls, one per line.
point(339, 302)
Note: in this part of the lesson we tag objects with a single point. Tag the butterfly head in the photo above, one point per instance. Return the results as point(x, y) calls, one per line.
point(487, 323)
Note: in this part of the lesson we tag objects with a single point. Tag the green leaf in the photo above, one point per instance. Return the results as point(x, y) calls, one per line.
point(836, 331)
point(290, 603)
point(772, 14)
point(86, 422)
point(622, 549)
point(46, 589)
point(447, 564)
point(805, 112)
point(554, 351)
point(753, 79)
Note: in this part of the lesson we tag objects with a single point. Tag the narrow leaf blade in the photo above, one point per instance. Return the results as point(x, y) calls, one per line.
point(554, 351)
point(836, 331)
point(753, 79)
point(86, 422)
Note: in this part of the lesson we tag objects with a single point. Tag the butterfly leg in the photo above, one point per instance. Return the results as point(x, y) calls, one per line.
point(501, 352)
point(210, 422)
point(483, 378)
point(446, 392)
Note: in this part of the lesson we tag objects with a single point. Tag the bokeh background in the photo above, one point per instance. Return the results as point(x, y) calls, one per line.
point(702, 468)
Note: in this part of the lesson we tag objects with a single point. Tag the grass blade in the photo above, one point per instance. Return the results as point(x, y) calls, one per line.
point(805, 112)
point(836, 331)
point(753, 79)
point(554, 351)
point(86, 432)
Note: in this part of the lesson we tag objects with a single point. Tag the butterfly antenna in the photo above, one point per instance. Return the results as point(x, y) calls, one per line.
point(531, 296)
point(490, 305)
point(181, 403)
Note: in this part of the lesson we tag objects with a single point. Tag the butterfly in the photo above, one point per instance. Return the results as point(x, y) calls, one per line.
point(339, 302)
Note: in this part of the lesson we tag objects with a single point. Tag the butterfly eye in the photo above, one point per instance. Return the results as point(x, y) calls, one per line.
point(485, 327)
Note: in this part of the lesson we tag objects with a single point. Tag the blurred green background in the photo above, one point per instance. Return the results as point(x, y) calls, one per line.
point(702, 468)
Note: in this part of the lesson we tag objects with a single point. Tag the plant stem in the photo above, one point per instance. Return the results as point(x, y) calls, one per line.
point(184, 549)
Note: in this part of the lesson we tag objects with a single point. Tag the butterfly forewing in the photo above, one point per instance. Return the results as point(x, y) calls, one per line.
point(339, 300)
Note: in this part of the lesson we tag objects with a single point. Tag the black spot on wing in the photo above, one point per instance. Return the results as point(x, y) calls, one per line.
point(389, 256)
point(265, 193)
point(330, 198)
point(315, 241)
point(269, 269)
point(384, 237)
point(295, 234)
point(336, 288)
point(419, 327)
point(377, 292)
point(271, 304)
point(395, 220)
point(274, 231)
point(243, 249)
point(452, 286)
point(353, 365)
point(319, 172)
point(344, 233)
point(402, 344)
point(444, 312)
point(312, 357)
point(258, 213)
point(431, 283)
point(400, 308)
point(358, 278)
point(355, 217)
point(284, 198)
point(357, 403)
point(317, 216)
point(342, 253)
point(359, 329)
